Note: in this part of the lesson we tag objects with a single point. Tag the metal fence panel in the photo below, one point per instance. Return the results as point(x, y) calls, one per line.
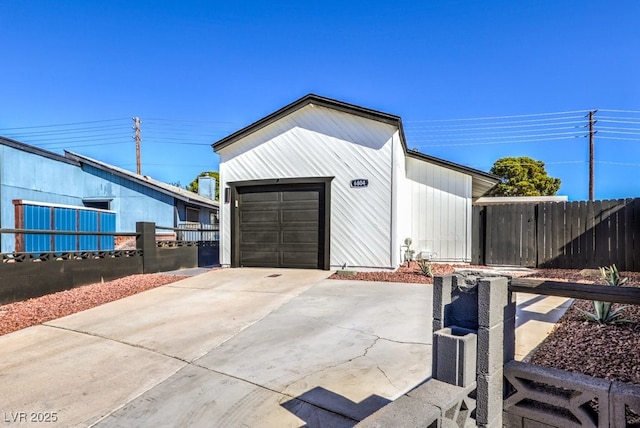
point(39, 218)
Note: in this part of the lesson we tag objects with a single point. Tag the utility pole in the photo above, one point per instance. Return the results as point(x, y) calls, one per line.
point(592, 133)
point(137, 123)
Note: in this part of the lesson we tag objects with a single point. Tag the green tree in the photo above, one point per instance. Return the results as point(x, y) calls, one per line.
point(522, 176)
point(193, 186)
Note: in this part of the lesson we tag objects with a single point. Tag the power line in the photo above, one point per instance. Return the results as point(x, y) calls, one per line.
point(620, 111)
point(601, 137)
point(75, 137)
point(62, 124)
point(512, 132)
point(488, 125)
point(618, 163)
point(500, 117)
point(608, 131)
point(189, 121)
point(66, 146)
point(576, 134)
point(500, 142)
point(66, 131)
point(49, 141)
point(614, 120)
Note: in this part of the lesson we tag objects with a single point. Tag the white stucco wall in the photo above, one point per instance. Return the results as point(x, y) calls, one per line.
point(440, 210)
point(316, 141)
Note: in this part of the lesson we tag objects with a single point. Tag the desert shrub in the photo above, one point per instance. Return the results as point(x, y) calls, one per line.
point(603, 312)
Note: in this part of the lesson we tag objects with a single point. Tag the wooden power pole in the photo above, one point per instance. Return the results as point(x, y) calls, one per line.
point(137, 122)
point(592, 133)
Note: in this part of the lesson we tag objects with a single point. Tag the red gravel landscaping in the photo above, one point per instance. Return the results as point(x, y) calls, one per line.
point(19, 315)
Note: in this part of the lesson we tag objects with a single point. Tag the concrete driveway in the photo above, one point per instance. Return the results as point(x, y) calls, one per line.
point(232, 347)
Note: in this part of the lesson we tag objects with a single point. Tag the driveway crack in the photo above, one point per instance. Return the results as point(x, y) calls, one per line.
point(386, 377)
point(402, 342)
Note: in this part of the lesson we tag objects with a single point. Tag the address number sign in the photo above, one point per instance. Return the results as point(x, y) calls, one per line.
point(360, 182)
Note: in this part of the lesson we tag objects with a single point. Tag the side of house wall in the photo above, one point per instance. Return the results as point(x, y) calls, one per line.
point(28, 176)
point(320, 142)
point(132, 201)
point(440, 211)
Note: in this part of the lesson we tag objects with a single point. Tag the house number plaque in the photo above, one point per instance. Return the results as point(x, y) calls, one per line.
point(360, 182)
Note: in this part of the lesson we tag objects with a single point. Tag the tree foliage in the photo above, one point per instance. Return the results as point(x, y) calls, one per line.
point(522, 176)
point(193, 186)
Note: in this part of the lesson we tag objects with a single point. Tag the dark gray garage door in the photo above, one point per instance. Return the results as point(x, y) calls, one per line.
point(281, 226)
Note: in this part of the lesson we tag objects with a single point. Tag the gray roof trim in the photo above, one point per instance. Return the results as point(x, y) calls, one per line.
point(167, 189)
point(36, 151)
point(302, 102)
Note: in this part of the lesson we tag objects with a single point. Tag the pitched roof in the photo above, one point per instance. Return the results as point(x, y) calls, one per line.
point(302, 102)
point(482, 181)
point(175, 191)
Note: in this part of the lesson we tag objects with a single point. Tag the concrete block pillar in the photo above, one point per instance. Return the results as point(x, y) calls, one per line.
point(494, 305)
point(455, 331)
point(455, 356)
point(441, 298)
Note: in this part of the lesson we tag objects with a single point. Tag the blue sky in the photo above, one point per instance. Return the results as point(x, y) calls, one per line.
point(196, 71)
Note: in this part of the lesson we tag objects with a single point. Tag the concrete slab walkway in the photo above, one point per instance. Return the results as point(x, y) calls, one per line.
point(536, 316)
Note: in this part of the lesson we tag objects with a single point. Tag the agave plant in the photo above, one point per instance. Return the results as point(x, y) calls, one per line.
point(425, 268)
point(612, 276)
point(603, 311)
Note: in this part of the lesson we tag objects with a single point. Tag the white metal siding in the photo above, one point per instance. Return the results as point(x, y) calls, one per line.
point(321, 142)
point(440, 207)
point(402, 197)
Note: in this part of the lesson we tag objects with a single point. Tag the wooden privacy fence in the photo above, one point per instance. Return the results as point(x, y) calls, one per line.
point(571, 235)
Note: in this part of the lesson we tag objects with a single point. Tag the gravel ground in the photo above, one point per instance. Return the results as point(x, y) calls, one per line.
point(404, 273)
point(605, 351)
point(19, 315)
point(609, 352)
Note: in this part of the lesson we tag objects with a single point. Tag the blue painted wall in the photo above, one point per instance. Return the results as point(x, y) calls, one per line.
point(29, 176)
point(132, 201)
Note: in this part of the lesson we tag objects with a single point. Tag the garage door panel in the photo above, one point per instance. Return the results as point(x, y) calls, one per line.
point(261, 197)
point(308, 259)
point(259, 258)
point(259, 237)
point(310, 195)
point(300, 237)
point(255, 216)
point(306, 216)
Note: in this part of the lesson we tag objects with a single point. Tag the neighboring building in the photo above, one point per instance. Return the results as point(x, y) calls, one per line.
point(321, 184)
point(34, 177)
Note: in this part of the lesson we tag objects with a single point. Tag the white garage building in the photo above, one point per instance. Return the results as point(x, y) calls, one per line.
point(325, 184)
